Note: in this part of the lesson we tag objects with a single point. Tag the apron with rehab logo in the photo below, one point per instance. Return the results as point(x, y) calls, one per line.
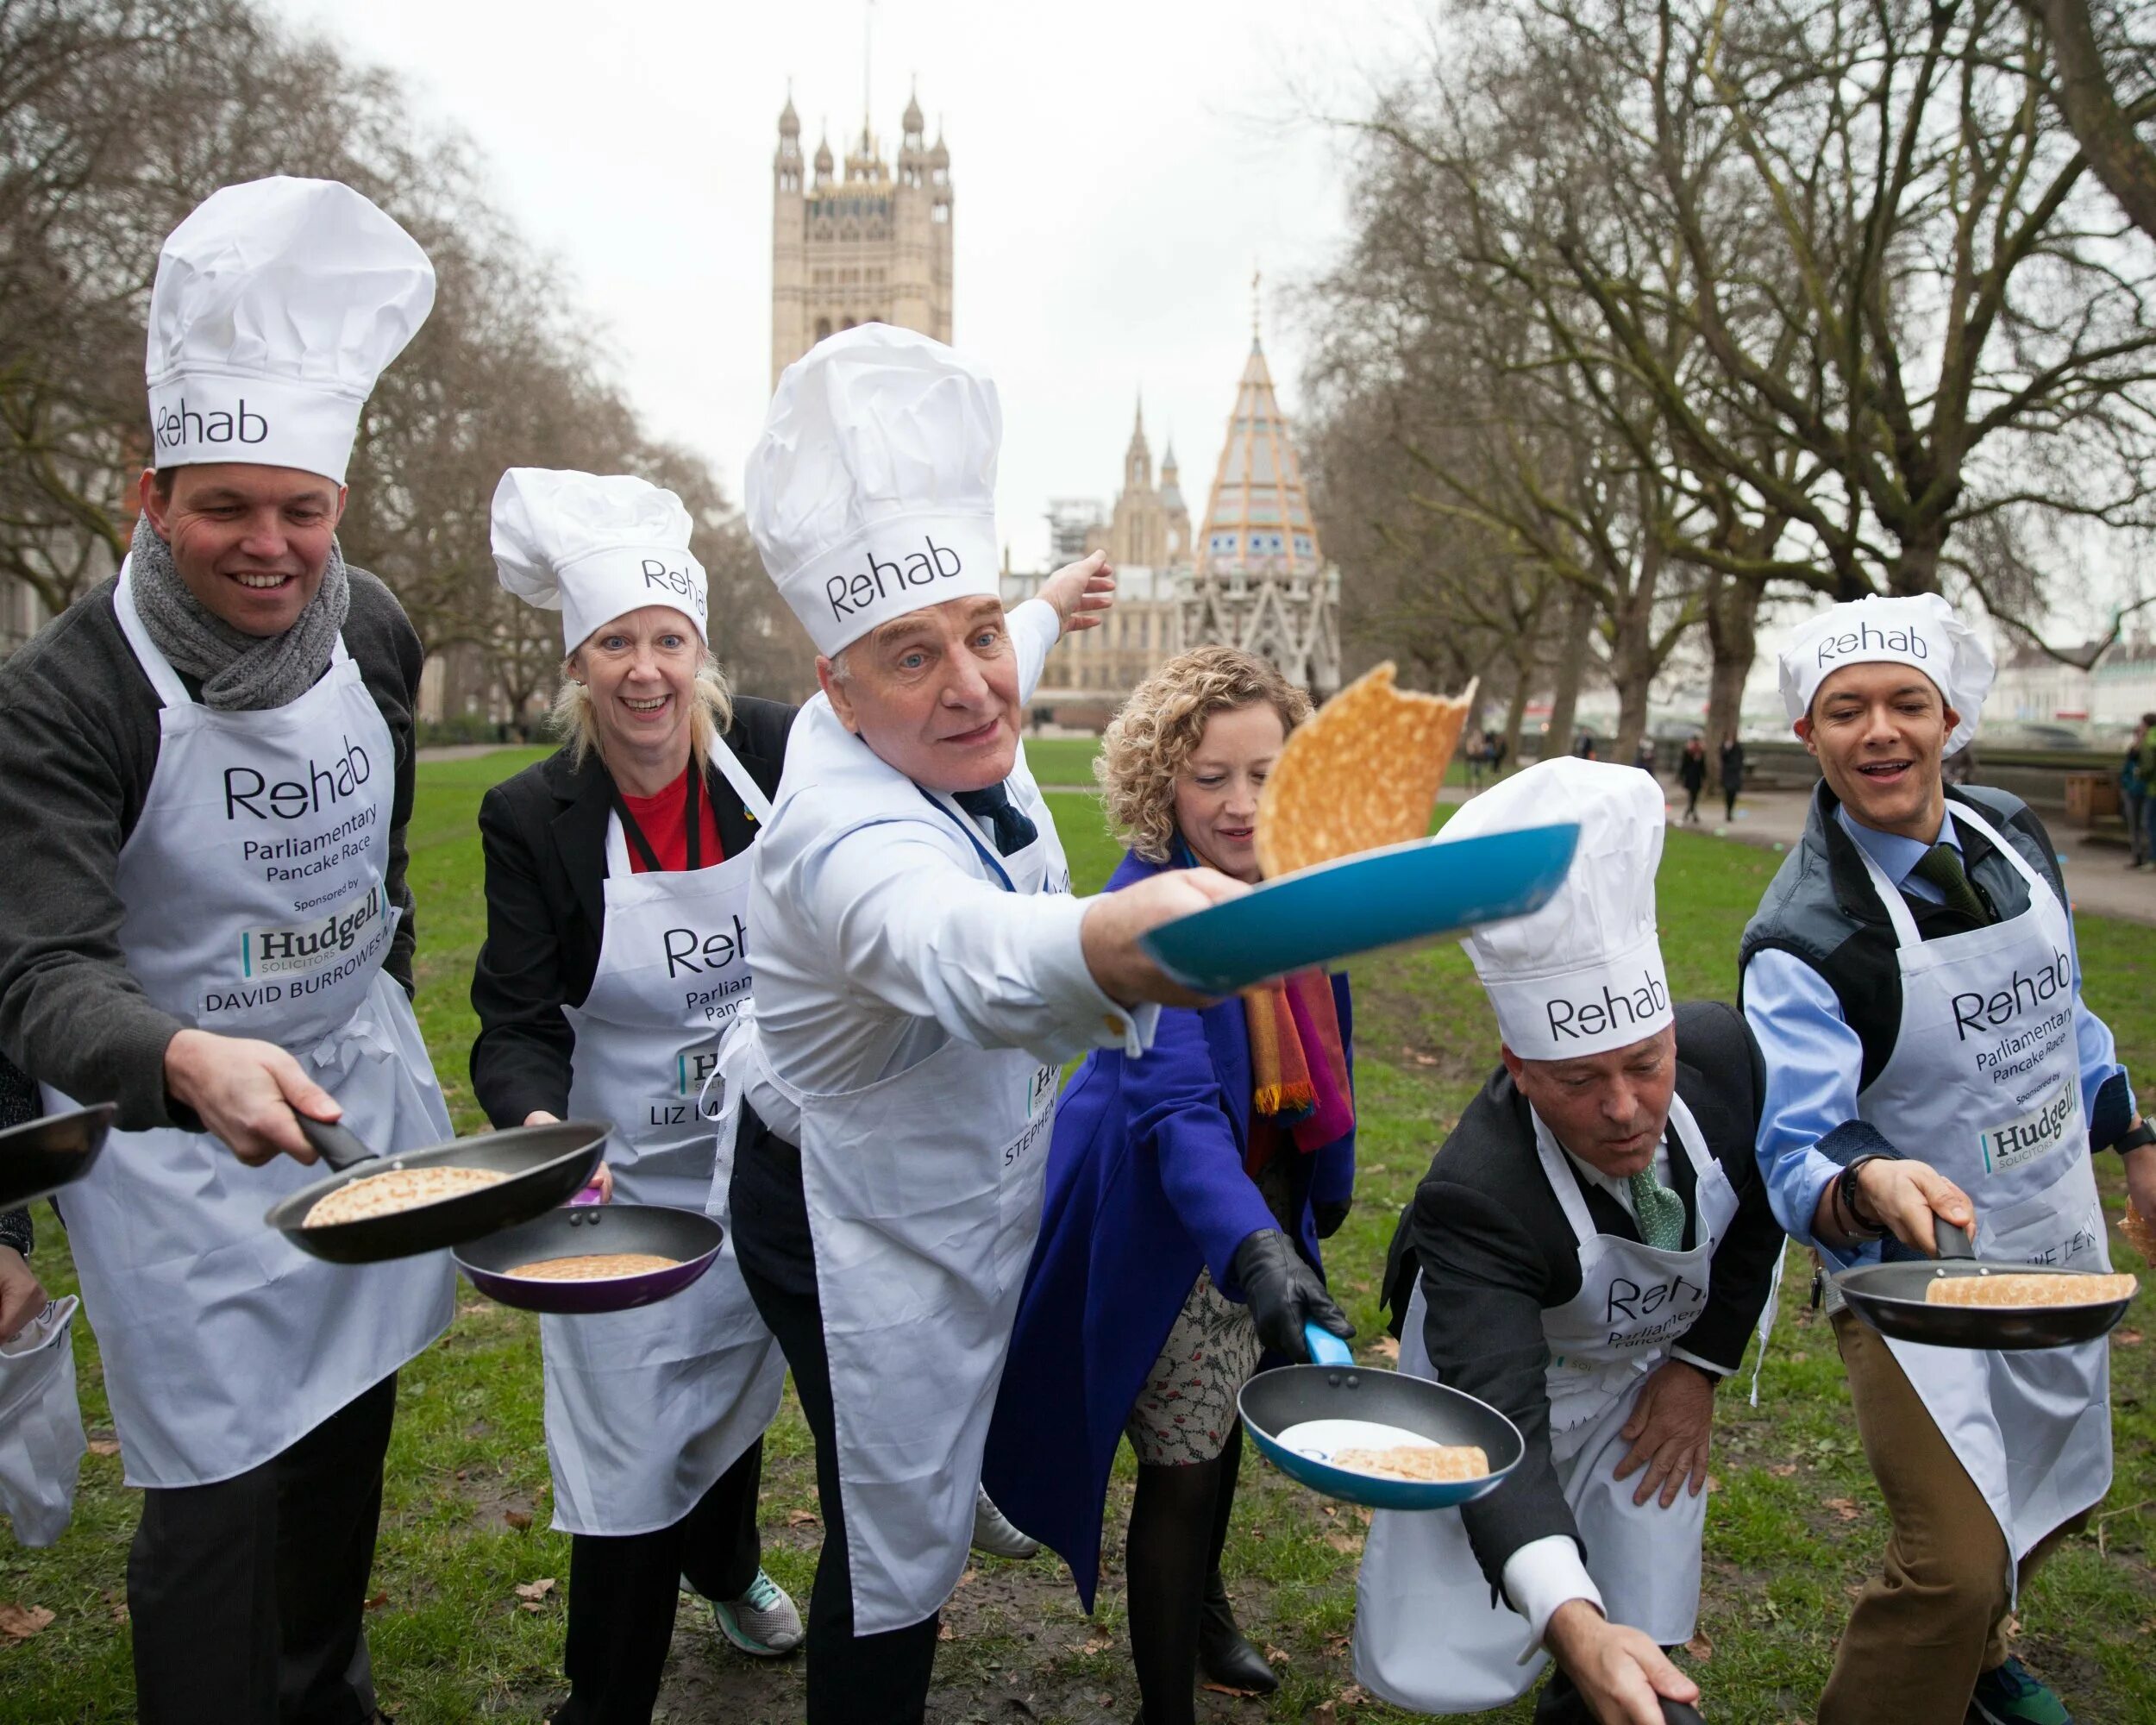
point(255, 906)
point(646, 1408)
point(1427, 1635)
point(923, 1194)
point(1984, 1084)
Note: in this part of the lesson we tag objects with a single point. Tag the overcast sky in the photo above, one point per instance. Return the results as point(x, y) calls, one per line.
point(1118, 167)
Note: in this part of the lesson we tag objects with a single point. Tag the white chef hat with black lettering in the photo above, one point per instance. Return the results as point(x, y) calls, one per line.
point(1918, 629)
point(595, 547)
point(1583, 973)
point(871, 492)
point(277, 305)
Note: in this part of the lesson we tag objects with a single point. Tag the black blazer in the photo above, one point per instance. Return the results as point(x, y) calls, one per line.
point(544, 834)
point(1489, 1239)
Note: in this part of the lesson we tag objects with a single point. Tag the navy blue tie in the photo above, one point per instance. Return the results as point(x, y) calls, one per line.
point(1013, 829)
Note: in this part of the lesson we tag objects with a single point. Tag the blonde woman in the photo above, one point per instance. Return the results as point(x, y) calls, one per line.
point(616, 955)
point(1187, 1195)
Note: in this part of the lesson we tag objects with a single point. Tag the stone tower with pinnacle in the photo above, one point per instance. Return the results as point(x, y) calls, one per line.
point(873, 247)
point(1261, 582)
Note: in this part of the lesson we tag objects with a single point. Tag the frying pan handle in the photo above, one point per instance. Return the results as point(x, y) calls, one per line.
point(338, 1145)
point(1954, 1239)
point(1325, 1348)
point(1680, 1713)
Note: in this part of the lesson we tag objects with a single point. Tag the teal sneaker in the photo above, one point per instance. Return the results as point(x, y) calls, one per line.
point(763, 1622)
point(2009, 1696)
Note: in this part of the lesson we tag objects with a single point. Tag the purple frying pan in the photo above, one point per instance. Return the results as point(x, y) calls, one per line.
point(689, 1237)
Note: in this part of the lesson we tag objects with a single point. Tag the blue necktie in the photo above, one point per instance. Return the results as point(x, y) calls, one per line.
point(1013, 829)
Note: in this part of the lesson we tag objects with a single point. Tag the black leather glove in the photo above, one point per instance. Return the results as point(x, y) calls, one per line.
point(1283, 1293)
point(1329, 1215)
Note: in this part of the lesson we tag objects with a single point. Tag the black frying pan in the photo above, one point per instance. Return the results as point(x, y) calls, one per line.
point(1890, 1298)
point(545, 1165)
point(690, 1238)
point(40, 1156)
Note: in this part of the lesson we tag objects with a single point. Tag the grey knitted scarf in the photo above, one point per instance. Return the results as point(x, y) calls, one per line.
point(239, 672)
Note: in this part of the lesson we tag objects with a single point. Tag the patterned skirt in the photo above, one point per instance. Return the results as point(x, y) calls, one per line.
point(1186, 1408)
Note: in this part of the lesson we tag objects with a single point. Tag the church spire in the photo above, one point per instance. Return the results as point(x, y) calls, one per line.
point(1257, 520)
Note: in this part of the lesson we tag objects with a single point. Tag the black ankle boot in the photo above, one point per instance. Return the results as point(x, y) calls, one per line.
point(1225, 1654)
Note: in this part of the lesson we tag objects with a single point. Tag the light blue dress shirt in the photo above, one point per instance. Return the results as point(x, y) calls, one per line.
point(1813, 1059)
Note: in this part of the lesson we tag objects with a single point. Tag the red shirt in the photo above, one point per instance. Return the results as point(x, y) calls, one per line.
point(664, 820)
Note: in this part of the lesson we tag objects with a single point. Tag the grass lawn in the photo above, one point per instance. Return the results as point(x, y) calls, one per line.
point(1793, 1525)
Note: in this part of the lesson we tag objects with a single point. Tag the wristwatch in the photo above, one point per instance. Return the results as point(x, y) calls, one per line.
point(2134, 1136)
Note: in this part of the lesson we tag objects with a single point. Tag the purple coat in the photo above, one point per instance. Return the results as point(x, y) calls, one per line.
point(1145, 1186)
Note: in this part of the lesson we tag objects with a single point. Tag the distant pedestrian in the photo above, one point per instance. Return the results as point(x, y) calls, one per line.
point(1732, 765)
point(1583, 745)
point(1477, 758)
point(1494, 743)
point(1643, 755)
point(2138, 781)
point(1692, 773)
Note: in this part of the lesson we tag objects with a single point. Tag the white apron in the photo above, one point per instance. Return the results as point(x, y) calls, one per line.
point(41, 1441)
point(646, 1408)
point(1984, 1084)
point(1427, 1636)
point(252, 884)
point(923, 1193)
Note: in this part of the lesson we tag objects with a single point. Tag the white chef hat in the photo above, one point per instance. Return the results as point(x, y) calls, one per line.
point(1584, 973)
point(277, 305)
point(594, 548)
point(1921, 630)
point(872, 490)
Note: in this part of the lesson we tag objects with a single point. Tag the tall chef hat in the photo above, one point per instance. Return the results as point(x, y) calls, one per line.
point(1584, 973)
point(594, 548)
point(1921, 630)
point(277, 305)
point(872, 490)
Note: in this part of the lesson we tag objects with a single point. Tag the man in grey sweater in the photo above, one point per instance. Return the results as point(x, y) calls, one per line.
point(205, 774)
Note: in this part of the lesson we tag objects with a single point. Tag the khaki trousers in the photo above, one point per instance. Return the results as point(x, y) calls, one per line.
point(1923, 1630)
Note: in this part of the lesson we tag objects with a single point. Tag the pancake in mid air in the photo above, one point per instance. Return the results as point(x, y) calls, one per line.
point(1362, 773)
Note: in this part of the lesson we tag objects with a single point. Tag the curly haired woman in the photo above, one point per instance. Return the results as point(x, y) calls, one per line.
point(1187, 1194)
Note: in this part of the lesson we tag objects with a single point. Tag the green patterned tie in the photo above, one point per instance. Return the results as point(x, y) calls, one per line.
point(1941, 866)
point(1660, 1212)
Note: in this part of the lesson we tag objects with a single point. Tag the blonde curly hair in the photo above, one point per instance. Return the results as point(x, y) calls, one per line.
point(1151, 739)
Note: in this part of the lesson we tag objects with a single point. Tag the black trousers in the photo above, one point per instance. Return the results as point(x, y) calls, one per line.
point(247, 1595)
point(880, 1679)
point(622, 1592)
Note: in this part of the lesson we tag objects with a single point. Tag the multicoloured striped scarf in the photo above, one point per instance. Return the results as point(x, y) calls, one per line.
point(1299, 1076)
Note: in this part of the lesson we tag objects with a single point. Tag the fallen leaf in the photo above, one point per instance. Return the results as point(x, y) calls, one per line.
point(104, 1446)
point(20, 1622)
point(1713, 1482)
point(1331, 1509)
point(1700, 1647)
point(1844, 1508)
point(2127, 1339)
point(1386, 1347)
point(1344, 1542)
point(518, 1519)
point(1276, 1656)
point(1096, 1644)
point(968, 1577)
point(116, 1598)
point(1353, 1695)
point(1782, 1470)
point(1222, 1688)
point(376, 1604)
point(1336, 1643)
point(945, 1633)
point(800, 1518)
point(529, 1593)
